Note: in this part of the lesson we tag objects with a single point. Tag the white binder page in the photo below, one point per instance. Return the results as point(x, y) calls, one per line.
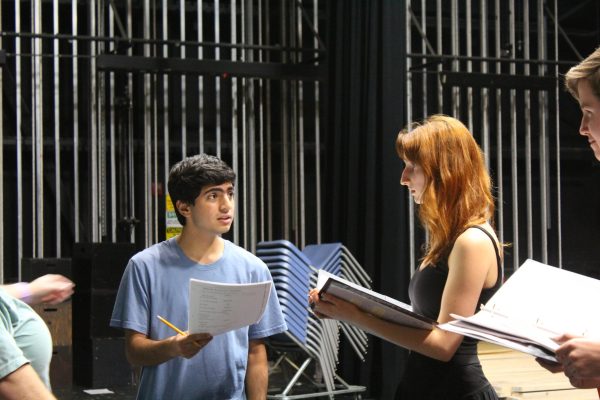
point(216, 307)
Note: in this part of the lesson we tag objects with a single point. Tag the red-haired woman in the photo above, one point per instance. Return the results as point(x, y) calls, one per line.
point(461, 268)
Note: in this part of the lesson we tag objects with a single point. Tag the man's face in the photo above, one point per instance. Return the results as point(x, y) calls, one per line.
point(590, 120)
point(213, 209)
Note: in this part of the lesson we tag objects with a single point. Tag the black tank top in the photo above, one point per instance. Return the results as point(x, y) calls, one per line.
point(461, 377)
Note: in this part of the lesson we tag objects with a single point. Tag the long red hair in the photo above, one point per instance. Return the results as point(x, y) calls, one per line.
point(457, 191)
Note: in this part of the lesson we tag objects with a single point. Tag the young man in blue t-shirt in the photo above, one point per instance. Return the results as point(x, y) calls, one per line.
point(232, 365)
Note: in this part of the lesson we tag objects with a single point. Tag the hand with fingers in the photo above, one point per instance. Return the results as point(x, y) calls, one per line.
point(190, 344)
point(328, 306)
point(50, 288)
point(579, 359)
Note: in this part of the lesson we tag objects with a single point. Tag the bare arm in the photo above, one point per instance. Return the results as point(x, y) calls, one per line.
point(469, 264)
point(142, 351)
point(50, 288)
point(257, 374)
point(24, 384)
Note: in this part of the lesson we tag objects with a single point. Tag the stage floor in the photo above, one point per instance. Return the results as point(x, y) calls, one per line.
point(516, 376)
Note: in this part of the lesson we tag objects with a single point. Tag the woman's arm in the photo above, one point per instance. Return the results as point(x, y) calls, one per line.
point(24, 384)
point(50, 288)
point(472, 266)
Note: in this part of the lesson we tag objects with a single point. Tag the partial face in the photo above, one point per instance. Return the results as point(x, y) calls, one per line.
point(212, 211)
point(414, 178)
point(590, 120)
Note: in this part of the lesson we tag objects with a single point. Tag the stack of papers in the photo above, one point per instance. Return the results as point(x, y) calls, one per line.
point(536, 304)
point(217, 308)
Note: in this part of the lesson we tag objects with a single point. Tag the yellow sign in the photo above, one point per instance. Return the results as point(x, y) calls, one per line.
point(173, 226)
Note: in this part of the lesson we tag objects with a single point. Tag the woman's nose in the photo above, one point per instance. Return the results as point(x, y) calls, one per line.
point(404, 177)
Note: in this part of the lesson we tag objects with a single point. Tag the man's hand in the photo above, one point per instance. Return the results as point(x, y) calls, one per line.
point(189, 345)
point(579, 359)
point(142, 351)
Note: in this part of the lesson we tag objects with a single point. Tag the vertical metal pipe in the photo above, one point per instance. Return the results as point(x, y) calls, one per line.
point(148, 178)
point(94, 152)
point(75, 53)
point(454, 29)
point(409, 102)
point(19, 138)
point(156, 176)
point(112, 139)
point(245, 124)
point(165, 77)
point(156, 179)
point(235, 118)
point(499, 163)
point(557, 124)
point(217, 30)
point(513, 140)
point(57, 142)
point(38, 136)
point(268, 131)
point(544, 163)
point(317, 130)
point(182, 13)
point(424, 51)
point(261, 130)
point(101, 129)
point(250, 151)
point(301, 154)
point(469, 35)
point(200, 24)
point(527, 99)
point(485, 101)
point(130, 140)
point(285, 130)
point(294, 130)
point(440, 50)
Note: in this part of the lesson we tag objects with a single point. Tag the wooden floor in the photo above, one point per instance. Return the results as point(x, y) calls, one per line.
point(517, 376)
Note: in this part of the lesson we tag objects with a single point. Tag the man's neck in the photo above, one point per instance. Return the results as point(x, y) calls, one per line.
point(204, 249)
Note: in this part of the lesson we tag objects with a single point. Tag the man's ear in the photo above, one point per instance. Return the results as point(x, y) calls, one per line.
point(183, 208)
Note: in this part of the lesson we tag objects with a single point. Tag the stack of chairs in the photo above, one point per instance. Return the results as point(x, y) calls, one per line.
point(336, 259)
point(317, 340)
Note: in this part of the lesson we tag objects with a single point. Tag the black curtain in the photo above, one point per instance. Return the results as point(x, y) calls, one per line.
point(366, 208)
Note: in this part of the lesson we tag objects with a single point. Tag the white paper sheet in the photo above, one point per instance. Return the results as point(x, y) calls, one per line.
point(216, 307)
point(537, 303)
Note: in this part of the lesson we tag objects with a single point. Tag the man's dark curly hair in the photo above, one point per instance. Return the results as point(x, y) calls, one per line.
point(189, 176)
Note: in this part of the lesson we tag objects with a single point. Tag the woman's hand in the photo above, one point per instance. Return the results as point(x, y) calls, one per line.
point(328, 306)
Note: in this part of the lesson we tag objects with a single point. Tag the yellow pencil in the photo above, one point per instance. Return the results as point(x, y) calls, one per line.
point(170, 325)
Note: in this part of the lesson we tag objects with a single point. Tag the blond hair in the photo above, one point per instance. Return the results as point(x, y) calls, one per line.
point(588, 69)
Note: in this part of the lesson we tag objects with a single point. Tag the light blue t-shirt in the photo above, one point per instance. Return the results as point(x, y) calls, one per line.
point(156, 282)
point(24, 338)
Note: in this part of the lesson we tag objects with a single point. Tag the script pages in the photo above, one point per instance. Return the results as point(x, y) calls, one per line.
point(216, 307)
point(372, 302)
point(537, 303)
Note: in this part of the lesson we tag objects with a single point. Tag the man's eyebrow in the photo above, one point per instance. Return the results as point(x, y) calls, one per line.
point(218, 189)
